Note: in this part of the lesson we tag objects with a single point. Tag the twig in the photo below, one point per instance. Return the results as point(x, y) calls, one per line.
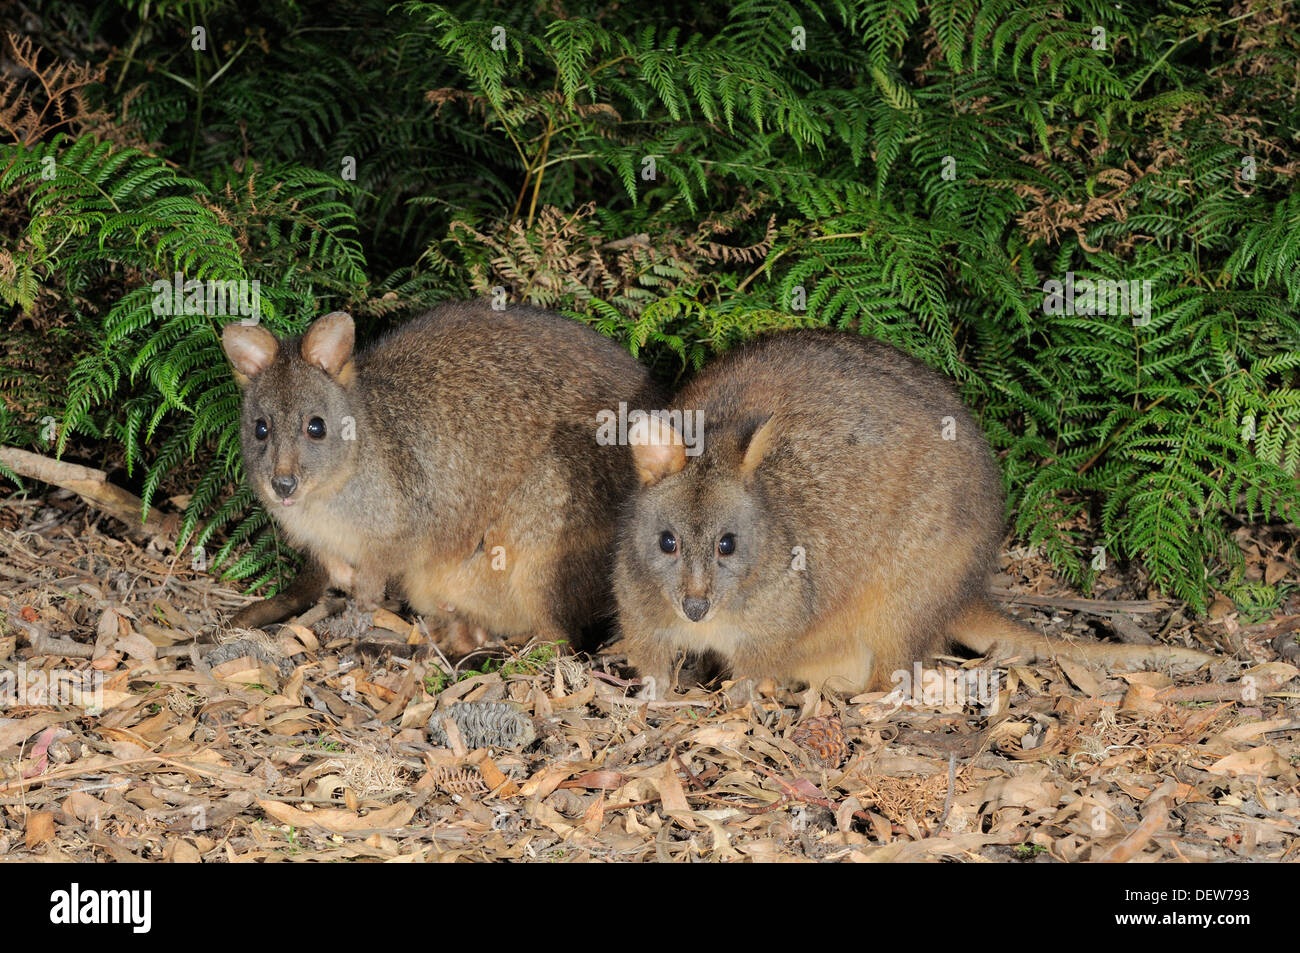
point(45, 644)
point(952, 786)
point(695, 782)
point(1094, 606)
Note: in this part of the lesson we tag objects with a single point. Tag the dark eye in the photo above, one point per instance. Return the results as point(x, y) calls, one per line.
point(316, 428)
point(261, 430)
point(726, 545)
point(667, 542)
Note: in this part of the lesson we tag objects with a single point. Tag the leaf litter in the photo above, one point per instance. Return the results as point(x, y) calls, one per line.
point(133, 726)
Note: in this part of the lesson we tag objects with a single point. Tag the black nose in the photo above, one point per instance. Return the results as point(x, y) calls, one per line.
point(284, 485)
point(695, 608)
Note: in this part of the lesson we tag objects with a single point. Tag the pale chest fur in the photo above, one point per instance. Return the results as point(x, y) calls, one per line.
point(322, 531)
point(429, 578)
point(716, 635)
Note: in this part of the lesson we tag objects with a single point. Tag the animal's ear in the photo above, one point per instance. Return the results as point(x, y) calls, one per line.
point(762, 431)
point(657, 449)
point(328, 343)
point(251, 349)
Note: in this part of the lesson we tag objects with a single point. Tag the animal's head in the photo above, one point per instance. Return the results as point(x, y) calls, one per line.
point(698, 526)
point(298, 423)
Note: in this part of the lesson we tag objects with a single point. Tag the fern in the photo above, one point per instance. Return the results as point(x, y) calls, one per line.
point(683, 179)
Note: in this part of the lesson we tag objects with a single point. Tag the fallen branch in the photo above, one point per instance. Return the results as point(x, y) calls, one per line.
point(1093, 606)
point(947, 801)
point(89, 484)
point(43, 643)
point(1261, 684)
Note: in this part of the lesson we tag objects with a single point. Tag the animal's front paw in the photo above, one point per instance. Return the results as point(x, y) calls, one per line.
point(460, 638)
point(359, 616)
point(339, 574)
point(656, 685)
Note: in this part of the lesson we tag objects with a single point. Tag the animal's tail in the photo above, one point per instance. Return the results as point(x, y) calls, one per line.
point(301, 594)
point(983, 629)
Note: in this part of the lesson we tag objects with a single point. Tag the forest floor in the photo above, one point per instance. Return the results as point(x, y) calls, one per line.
point(134, 726)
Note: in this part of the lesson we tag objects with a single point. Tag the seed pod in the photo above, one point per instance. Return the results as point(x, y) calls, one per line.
point(485, 725)
point(823, 738)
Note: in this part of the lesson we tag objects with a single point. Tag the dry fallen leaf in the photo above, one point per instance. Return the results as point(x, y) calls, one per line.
point(16, 730)
point(1276, 570)
point(1263, 761)
point(40, 828)
point(671, 795)
point(1250, 730)
point(340, 822)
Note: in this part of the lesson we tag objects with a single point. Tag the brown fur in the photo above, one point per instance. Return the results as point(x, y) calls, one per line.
point(831, 445)
point(474, 429)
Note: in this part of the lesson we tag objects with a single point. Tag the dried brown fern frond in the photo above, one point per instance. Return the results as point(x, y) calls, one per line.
point(36, 100)
point(1259, 45)
point(1049, 216)
point(565, 254)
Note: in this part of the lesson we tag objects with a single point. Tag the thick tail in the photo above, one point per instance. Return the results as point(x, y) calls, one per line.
point(983, 629)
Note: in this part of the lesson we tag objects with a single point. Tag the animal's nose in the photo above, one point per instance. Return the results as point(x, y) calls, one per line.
point(284, 485)
point(695, 608)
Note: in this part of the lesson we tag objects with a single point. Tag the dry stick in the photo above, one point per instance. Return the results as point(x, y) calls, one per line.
point(695, 782)
point(74, 770)
point(1231, 692)
point(45, 644)
point(952, 786)
point(91, 485)
point(1094, 606)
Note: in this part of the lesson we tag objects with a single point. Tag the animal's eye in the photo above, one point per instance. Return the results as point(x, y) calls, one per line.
point(667, 542)
point(261, 429)
point(316, 428)
point(726, 544)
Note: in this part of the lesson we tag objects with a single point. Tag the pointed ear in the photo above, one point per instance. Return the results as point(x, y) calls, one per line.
point(657, 449)
point(328, 343)
point(760, 441)
point(251, 349)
